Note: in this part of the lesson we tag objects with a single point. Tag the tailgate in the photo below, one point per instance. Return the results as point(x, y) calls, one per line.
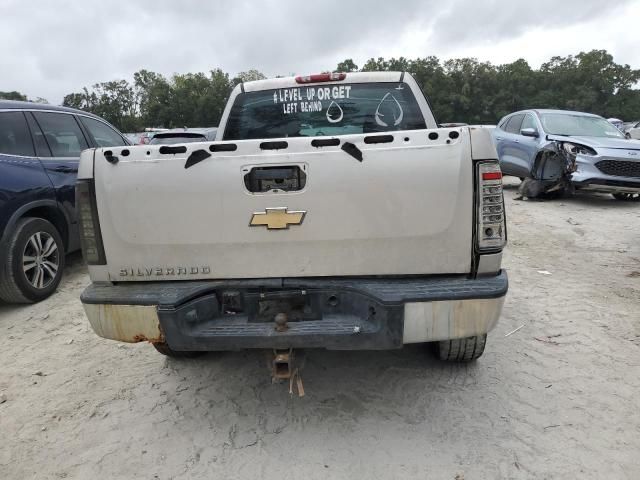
point(406, 208)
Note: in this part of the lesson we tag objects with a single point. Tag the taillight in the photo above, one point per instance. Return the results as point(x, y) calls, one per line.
point(492, 233)
point(492, 176)
point(321, 77)
point(90, 235)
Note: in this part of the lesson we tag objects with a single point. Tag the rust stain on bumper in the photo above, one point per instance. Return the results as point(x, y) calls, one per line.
point(125, 323)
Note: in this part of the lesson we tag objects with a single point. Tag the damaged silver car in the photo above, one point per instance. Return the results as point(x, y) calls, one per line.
point(556, 152)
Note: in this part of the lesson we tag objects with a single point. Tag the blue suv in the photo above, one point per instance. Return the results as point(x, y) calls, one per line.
point(40, 148)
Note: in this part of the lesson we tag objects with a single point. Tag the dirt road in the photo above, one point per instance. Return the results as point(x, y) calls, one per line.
point(559, 398)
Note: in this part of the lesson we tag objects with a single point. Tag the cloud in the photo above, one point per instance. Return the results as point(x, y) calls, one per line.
point(53, 48)
point(496, 20)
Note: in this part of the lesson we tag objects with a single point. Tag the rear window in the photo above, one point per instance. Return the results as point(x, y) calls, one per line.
point(332, 109)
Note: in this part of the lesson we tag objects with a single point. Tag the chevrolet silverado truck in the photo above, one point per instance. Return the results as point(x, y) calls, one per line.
point(330, 212)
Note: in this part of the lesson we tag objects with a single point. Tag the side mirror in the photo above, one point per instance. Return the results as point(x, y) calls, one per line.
point(529, 132)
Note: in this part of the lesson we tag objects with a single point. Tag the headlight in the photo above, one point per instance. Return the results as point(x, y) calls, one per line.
point(575, 149)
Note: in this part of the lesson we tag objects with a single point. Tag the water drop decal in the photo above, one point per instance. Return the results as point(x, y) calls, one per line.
point(392, 108)
point(334, 113)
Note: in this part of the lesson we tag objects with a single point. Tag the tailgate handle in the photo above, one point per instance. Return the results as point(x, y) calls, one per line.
point(286, 178)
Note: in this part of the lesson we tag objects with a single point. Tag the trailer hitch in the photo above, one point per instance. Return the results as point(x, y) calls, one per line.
point(284, 367)
point(282, 364)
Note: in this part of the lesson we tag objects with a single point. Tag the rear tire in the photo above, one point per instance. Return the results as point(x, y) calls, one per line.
point(33, 262)
point(164, 349)
point(627, 197)
point(462, 349)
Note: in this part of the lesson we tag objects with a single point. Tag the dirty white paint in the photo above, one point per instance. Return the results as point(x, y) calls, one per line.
point(125, 323)
point(433, 321)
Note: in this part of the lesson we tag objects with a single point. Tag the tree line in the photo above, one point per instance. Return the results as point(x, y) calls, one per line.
point(14, 95)
point(460, 90)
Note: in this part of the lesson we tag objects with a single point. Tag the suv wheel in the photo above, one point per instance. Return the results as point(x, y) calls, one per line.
point(627, 197)
point(33, 262)
point(462, 349)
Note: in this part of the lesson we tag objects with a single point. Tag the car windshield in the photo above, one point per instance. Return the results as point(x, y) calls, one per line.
point(578, 125)
point(334, 109)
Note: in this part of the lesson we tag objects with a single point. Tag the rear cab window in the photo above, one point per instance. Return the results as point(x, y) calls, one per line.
point(324, 110)
point(14, 135)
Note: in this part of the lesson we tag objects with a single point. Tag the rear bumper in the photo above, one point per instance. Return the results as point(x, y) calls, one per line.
point(331, 313)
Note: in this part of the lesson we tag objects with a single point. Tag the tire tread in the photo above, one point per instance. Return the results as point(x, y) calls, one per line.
point(462, 349)
point(10, 291)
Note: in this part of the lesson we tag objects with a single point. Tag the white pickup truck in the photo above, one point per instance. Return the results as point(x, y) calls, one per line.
point(330, 212)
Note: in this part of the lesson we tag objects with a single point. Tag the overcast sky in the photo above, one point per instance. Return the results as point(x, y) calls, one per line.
point(51, 48)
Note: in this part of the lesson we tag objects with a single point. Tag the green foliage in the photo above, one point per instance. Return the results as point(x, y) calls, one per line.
point(347, 65)
point(191, 100)
point(248, 76)
point(466, 90)
point(460, 90)
point(13, 96)
point(21, 97)
point(198, 99)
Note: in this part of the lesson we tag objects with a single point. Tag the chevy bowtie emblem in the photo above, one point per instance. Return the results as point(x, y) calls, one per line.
point(277, 218)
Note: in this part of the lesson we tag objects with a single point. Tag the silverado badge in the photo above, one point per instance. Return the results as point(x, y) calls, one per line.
point(277, 218)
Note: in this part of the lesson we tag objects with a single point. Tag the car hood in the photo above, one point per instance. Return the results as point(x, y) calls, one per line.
point(599, 142)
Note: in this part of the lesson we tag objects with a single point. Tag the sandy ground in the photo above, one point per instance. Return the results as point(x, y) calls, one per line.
point(560, 398)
